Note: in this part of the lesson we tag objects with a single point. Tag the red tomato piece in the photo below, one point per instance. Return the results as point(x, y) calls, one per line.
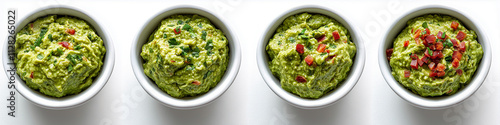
point(462, 47)
point(431, 39)
point(454, 25)
point(417, 33)
point(336, 35)
point(455, 63)
point(70, 31)
point(407, 73)
point(321, 38)
point(461, 35)
point(420, 62)
point(177, 31)
point(196, 82)
point(426, 53)
point(439, 34)
point(459, 71)
point(300, 79)
point(439, 55)
point(455, 43)
point(388, 53)
point(425, 59)
point(309, 60)
point(432, 65)
point(31, 75)
point(330, 57)
point(321, 48)
point(414, 56)
point(406, 43)
point(457, 55)
point(434, 55)
point(414, 64)
point(441, 73)
point(440, 67)
point(299, 48)
point(65, 45)
point(433, 74)
point(439, 46)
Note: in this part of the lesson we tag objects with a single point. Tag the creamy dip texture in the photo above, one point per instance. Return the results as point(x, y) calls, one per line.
point(434, 55)
point(310, 54)
point(186, 55)
point(58, 55)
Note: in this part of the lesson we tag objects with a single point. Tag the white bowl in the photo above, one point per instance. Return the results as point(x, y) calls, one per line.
point(72, 100)
point(187, 102)
point(443, 101)
point(330, 97)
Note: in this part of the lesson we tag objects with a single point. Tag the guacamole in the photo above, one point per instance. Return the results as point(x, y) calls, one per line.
point(186, 55)
point(310, 54)
point(435, 55)
point(58, 55)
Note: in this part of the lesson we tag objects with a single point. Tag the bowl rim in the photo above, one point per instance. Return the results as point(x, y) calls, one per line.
point(331, 97)
point(69, 101)
point(434, 103)
point(188, 102)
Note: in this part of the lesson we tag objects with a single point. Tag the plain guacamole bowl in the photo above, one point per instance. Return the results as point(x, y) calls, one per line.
point(186, 102)
point(442, 101)
point(329, 98)
point(69, 101)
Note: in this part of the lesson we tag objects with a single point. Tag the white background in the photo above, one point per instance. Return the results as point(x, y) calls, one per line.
point(249, 101)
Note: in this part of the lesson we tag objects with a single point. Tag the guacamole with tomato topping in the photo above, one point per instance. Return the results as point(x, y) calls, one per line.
point(58, 55)
point(435, 55)
point(186, 55)
point(310, 54)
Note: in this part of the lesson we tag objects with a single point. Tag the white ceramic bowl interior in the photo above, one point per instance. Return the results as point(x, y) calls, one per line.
point(443, 101)
point(188, 102)
point(70, 101)
point(334, 95)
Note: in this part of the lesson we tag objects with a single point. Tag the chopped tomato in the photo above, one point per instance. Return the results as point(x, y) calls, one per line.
point(455, 63)
point(406, 43)
point(435, 55)
point(414, 56)
point(432, 65)
point(411, 30)
point(300, 79)
point(327, 51)
point(431, 39)
point(418, 41)
point(433, 74)
point(462, 47)
point(65, 45)
point(321, 38)
point(330, 57)
point(455, 43)
point(432, 47)
point(425, 59)
point(427, 33)
point(457, 55)
point(441, 73)
point(388, 53)
point(299, 48)
point(440, 55)
point(439, 46)
point(426, 53)
point(461, 35)
point(440, 67)
point(454, 25)
point(309, 60)
point(439, 34)
point(70, 31)
point(336, 35)
point(321, 48)
point(31, 75)
point(459, 71)
point(417, 33)
point(414, 64)
point(420, 62)
point(196, 82)
point(407, 73)
point(177, 31)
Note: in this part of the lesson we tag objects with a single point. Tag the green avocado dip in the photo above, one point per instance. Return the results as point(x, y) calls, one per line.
point(435, 55)
point(310, 54)
point(58, 55)
point(186, 55)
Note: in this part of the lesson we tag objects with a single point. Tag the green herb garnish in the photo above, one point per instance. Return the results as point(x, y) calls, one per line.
point(204, 35)
point(173, 41)
point(425, 25)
